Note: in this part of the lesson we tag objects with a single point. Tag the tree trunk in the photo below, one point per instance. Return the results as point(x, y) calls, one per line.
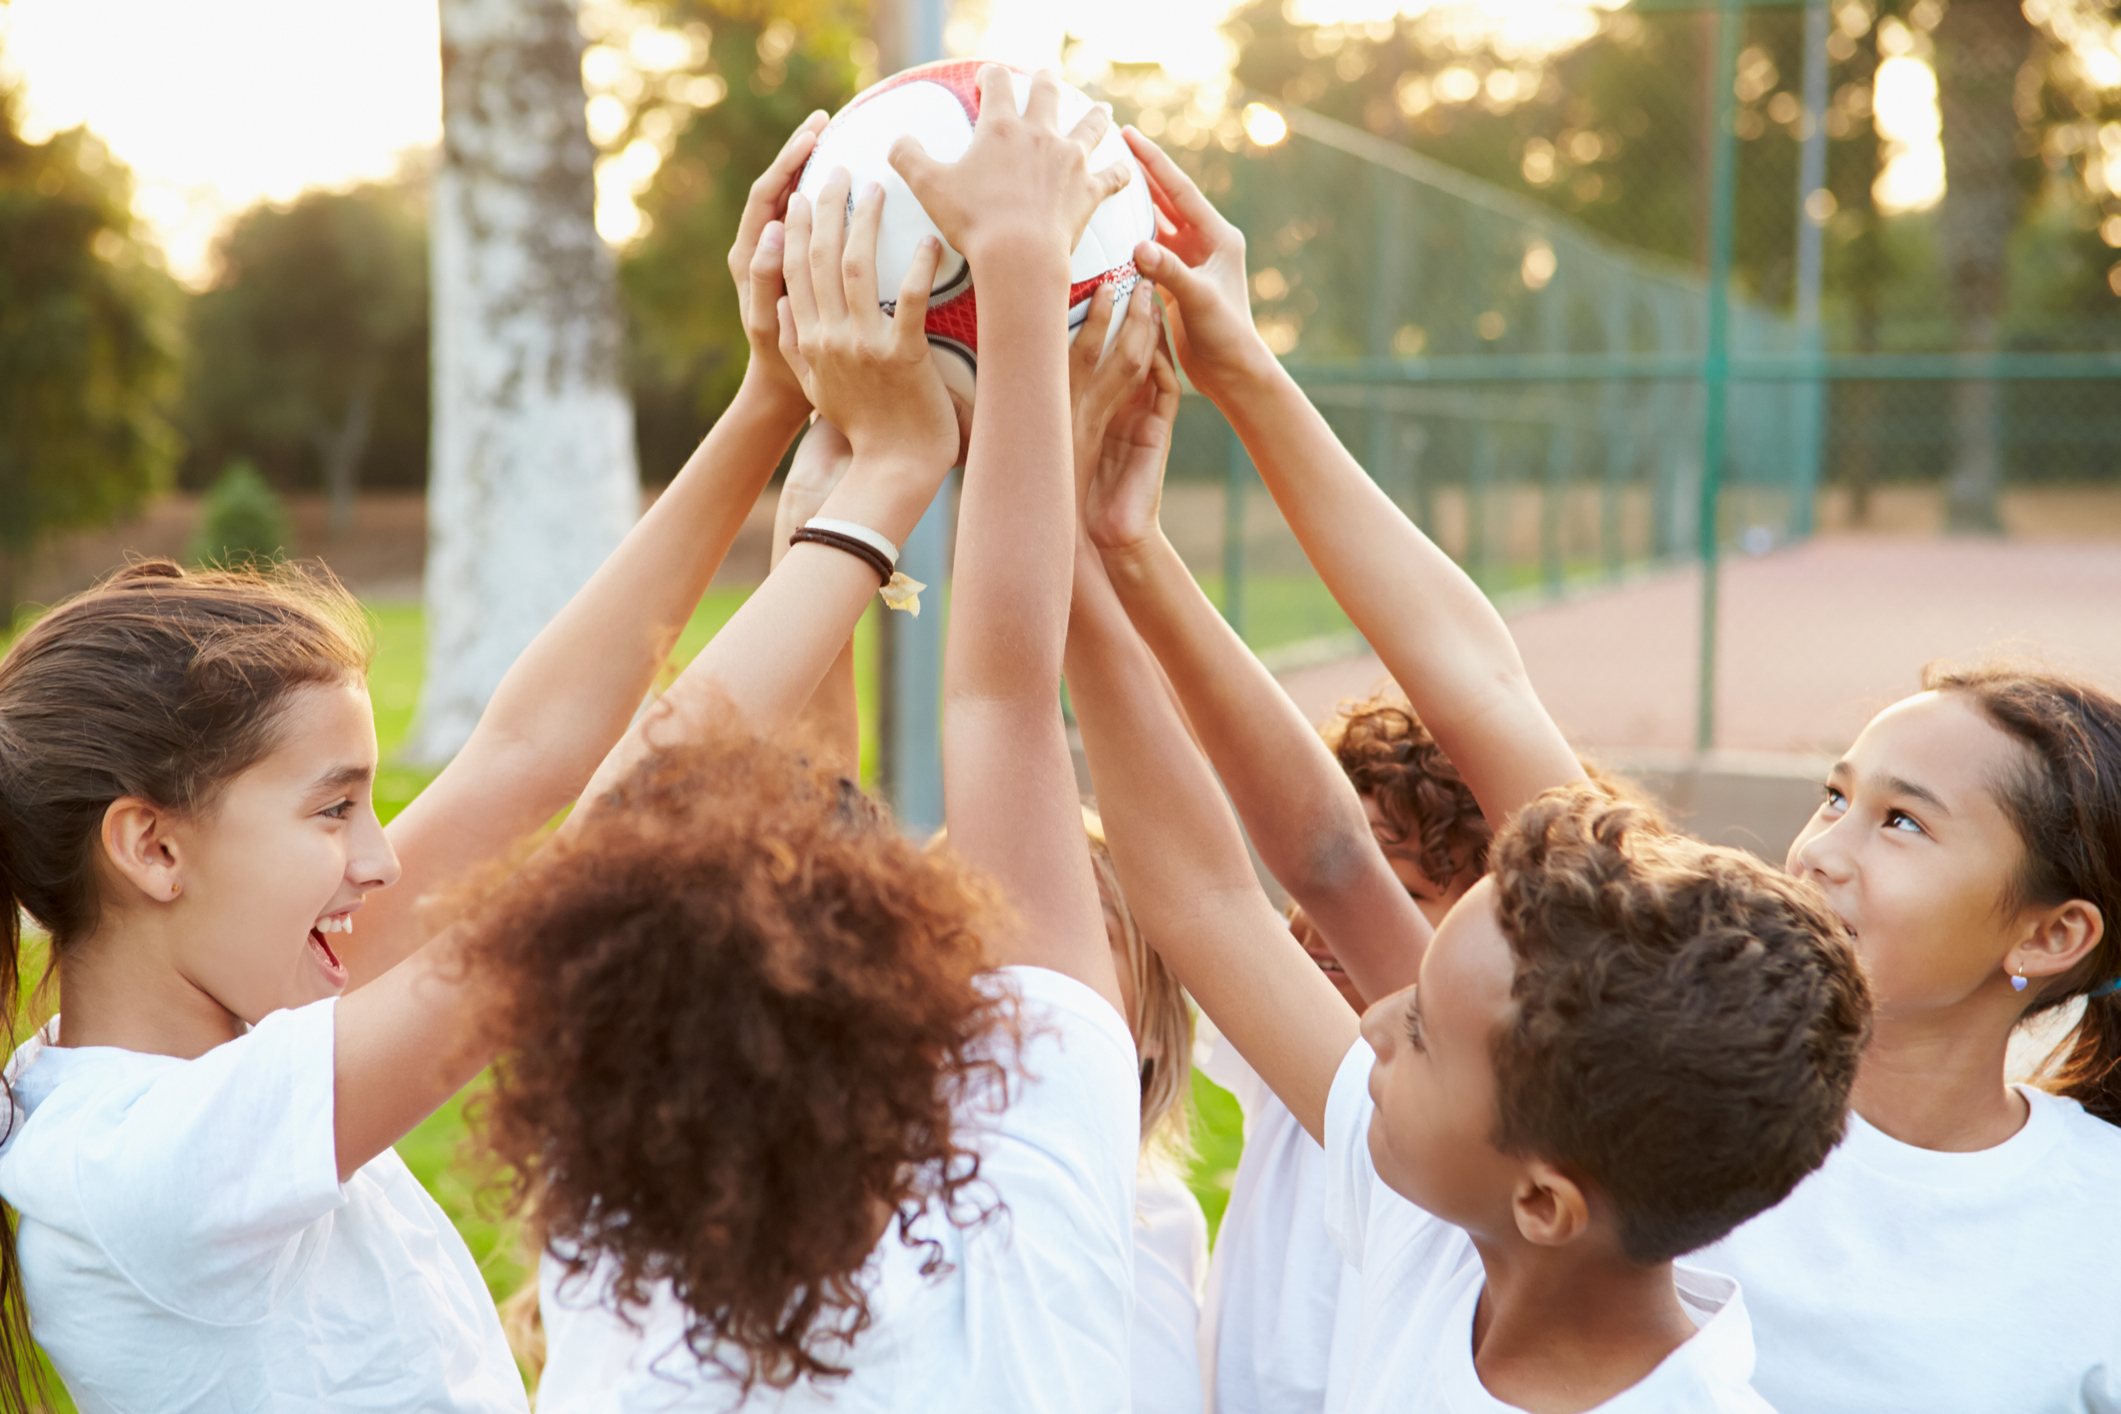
point(1981, 45)
point(343, 449)
point(533, 479)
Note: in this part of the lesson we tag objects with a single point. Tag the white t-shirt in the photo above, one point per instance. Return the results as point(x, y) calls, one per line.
point(1033, 1310)
point(1421, 1281)
point(186, 1243)
point(1281, 1301)
point(1898, 1278)
point(1170, 1263)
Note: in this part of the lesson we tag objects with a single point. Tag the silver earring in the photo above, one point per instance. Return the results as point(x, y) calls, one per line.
point(2018, 982)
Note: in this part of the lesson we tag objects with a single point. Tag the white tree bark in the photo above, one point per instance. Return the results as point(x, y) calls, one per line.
point(532, 480)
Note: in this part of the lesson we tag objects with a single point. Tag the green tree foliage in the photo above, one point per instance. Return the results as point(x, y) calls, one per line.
point(760, 66)
point(243, 520)
point(85, 363)
point(1612, 130)
point(309, 351)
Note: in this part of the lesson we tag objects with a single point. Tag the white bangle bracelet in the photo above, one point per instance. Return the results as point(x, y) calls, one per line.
point(853, 531)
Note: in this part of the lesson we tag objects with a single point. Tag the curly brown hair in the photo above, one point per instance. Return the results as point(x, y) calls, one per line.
point(739, 1016)
point(1688, 1022)
point(1389, 756)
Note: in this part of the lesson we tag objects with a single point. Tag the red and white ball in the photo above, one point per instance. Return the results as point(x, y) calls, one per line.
point(938, 104)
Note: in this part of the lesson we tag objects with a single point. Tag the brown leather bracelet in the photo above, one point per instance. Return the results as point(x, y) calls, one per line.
point(867, 554)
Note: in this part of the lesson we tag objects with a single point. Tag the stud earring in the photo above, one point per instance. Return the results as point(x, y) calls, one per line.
point(2018, 982)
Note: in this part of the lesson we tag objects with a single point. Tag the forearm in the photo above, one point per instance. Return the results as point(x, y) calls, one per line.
point(763, 666)
point(572, 693)
point(1438, 635)
point(1015, 518)
point(831, 719)
point(1182, 862)
point(1301, 812)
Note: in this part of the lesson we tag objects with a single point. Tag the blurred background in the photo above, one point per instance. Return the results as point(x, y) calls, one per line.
point(1749, 356)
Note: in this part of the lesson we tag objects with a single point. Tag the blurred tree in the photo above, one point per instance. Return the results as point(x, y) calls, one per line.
point(309, 353)
point(1982, 47)
point(748, 72)
point(85, 364)
point(1609, 127)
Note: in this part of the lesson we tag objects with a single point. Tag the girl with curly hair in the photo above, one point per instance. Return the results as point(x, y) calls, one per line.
point(207, 1207)
point(869, 1114)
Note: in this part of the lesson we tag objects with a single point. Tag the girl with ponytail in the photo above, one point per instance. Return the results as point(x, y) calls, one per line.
point(206, 1208)
point(1957, 1252)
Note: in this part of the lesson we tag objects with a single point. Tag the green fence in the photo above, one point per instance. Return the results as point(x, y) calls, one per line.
point(1558, 404)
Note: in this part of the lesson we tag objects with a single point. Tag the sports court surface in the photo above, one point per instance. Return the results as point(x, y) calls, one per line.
point(1813, 638)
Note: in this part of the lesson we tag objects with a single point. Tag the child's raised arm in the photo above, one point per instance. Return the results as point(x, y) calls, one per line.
point(1182, 863)
point(1436, 632)
point(409, 1040)
point(832, 720)
point(571, 694)
point(1015, 205)
point(1297, 804)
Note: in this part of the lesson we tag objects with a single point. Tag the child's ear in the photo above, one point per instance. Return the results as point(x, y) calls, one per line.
point(136, 841)
point(1550, 1207)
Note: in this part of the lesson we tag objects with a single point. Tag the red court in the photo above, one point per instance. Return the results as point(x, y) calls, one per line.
point(1813, 639)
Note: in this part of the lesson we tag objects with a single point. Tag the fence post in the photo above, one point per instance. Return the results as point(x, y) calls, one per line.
point(1715, 362)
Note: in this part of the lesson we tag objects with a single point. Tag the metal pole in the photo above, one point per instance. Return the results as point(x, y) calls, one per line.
point(910, 666)
point(1811, 179)
point(1716, 358)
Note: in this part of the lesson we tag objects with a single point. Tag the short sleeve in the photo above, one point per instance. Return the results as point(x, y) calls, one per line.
point(199, 1184)
point(1351, 1176)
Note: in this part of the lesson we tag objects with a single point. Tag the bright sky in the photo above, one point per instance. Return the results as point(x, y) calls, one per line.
point(216, 104)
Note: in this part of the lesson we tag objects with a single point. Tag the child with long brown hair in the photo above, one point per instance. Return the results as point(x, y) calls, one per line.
point(206, 1204)
point(725, 1123)
point(1956, 1252)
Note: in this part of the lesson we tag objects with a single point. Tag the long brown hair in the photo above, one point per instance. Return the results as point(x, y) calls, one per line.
point(159, 683)
point(2067, 808)
point(1163, 1016)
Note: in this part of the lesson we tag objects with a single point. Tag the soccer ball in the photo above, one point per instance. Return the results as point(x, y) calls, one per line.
point(938, 103)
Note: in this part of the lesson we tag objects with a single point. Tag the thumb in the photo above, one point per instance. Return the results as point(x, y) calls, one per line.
point(911, 161)
point(1179, 281)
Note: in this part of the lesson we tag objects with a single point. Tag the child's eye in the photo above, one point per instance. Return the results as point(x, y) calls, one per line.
point(1414, 1029)
point(1835, 800)
point(1901, 820)
point(339, 811)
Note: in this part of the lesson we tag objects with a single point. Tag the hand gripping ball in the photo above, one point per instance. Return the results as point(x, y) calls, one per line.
point(938, 104)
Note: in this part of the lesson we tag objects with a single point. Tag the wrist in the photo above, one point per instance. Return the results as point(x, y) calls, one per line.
point(887, 494)
point(770, 395)
point(1133, 557)
point(1252, 368)
point(1017, 261)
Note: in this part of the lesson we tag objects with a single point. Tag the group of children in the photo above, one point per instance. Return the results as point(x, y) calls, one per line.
point(1547, 1106)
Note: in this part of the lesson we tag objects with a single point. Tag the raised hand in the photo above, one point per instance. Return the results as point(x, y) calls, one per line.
point(1126, 475)
point(1199, 260)
point(1022, 182)
point(755, 266)
point(867, 372)
point(1102, 381)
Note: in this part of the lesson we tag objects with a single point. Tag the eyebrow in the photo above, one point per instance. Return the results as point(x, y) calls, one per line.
point(344, 778)
point(1897, 785)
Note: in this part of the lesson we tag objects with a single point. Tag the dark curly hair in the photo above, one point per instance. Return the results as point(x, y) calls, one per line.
point(1389, 756)
point(739, 1015)
point(1688, 1019)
